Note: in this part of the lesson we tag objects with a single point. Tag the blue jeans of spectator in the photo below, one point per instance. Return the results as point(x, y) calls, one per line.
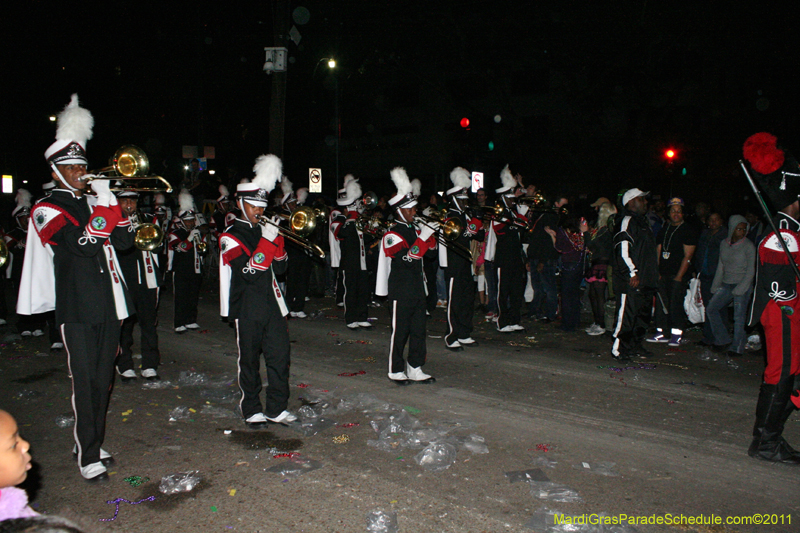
point(441, 286)
point(719, 307)
point(545, 290)
point(705, 292)
point(490, 272)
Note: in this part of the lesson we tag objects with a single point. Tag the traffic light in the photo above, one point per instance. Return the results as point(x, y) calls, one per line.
point(491, 145)
point(464, 123)
point(670, 154)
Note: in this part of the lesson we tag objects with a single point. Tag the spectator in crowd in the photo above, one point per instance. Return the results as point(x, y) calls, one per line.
point(569, 243)
point(757, 227)
point(655, 216)
point(733, 281)
point(706, 259)
point(600, 246)
point(543, 260)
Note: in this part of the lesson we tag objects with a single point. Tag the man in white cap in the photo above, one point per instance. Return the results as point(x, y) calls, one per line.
point(635, 276)
point(89, 291)
point(458, 265)
point(143, 276)
point(251, 254)
point(353, 262)
point(186, 247)
point(401, 278)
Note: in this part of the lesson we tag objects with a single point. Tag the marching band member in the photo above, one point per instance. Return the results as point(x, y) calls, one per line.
point(353, 263)
point(334, 220)
point(142, 274)
point(457, 266)
point(505, 249)
point(776, 303)
point(430, 261)
point(250, 256)
point(223, 215)
point(16, 239)
point(401, 278)
point(70, 265)
point(186, 246)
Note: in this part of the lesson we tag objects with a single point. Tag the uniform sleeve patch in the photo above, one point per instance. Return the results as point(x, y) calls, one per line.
point(99, 223)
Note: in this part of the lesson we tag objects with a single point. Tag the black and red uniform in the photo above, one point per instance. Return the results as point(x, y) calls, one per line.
point(459, 277)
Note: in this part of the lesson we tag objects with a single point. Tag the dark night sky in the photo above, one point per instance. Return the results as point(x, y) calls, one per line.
point(590, 93)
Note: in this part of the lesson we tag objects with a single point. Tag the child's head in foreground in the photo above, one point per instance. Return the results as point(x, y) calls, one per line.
point(15, 461)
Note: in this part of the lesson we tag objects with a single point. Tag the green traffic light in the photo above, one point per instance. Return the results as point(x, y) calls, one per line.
point(491, 145)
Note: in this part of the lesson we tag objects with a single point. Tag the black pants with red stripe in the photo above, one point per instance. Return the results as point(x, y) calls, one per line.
point(408, 326)
point(268, 337)
point(460, 301)
point(91, 351)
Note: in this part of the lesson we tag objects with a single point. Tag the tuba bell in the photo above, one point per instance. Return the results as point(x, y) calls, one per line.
point(130, 163)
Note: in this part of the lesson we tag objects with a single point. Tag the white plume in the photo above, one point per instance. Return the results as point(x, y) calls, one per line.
point(401, 181)
point(223, 191)
point(302, 195)
point(75, 123)
point(416, 187)
point(23, 198)
point(353, 189)
point(508, 179)
point(185, 201)
point(347, 179)
point(461, 178)
point(286, 185)
point(268, 169)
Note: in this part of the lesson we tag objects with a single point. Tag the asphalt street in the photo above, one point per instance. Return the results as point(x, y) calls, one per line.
point(661, 437)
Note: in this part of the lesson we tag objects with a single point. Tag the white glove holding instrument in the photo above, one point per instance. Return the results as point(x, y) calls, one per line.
point(194, 235)
point(270, 231)
point(427, 229)
point(105, 197)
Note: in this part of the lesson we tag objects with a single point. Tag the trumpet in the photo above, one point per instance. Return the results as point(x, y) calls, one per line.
point(451, 229)
point(129, 163)
point(302, 222)
point(371, 224)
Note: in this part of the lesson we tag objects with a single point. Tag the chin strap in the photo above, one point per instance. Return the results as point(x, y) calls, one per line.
point(61, 178)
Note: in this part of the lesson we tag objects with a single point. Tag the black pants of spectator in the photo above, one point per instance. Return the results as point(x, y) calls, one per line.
point(186, 289)
point(356, 295)
point(430, 268)
point(633, 318)
point(91, 351)
point(270, 338)
point(571, 276)
point(672, 293)
point(298, 273)
point(460, 302)
point(597, 298)
point(316, 282)
point(145, 302)
point(510, 293)
point(408, 326)
point(339, 285)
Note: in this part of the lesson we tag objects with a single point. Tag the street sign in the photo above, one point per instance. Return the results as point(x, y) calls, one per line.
point(477, 181)
point(314, 180)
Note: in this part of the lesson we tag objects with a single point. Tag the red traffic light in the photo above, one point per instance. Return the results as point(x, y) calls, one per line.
point(464, 122)
point(670, 154)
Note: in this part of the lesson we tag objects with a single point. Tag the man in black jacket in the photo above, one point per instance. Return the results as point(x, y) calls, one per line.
point(635, 276)
point(250, 256)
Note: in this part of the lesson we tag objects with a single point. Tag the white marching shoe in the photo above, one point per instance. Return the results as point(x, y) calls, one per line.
point(416, 374)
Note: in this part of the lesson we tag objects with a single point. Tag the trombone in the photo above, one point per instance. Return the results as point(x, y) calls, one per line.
point(129, 163)
point(302, 223)
point(451, 229)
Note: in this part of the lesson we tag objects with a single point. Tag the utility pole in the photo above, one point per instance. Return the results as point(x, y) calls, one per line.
point(277, 103)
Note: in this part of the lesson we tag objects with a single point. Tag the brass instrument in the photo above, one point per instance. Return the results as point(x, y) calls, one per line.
point(3, 253)
point(371, 224)
point(129, 163)
point(148, 236)
point(369, 200)
point(538, 202)
point(302, 222)
point(451, 229)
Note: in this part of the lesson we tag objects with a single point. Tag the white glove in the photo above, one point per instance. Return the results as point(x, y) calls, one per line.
point(523, 209)
point(270, 231)
point(105, 197)
point(427, 229)
point(194, 235)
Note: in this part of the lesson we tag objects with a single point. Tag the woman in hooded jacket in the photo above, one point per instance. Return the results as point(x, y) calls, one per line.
point(732, 282)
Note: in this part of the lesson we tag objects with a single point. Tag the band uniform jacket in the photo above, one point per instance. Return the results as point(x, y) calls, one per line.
point(16, 240)
point(89, 285)
point(351, 242)
point(248, 265)
point(634, 252)
point(775, 277)
point(508, 246)
point(184, 256)
point(400, 273)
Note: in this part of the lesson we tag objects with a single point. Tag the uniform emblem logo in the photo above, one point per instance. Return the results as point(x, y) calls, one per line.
point(99, 223)
point(473, 227)
point(415, 249)
point(259, 258)
point(40, 218)
point(223, 245)
point(183, 246)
